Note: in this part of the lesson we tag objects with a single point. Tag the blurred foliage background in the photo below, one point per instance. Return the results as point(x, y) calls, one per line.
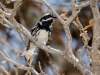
point(28, 14)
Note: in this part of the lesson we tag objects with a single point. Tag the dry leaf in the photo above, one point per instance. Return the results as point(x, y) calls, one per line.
point(64, 15)
point(91, 22)
point(2, 15)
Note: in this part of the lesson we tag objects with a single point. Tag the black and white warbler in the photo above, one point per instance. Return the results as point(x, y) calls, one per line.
point(41, 32)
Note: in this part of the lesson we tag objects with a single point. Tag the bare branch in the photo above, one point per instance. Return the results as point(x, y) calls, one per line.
point(18, 65)
point(16, 6)
point(41, 72)
point(4, 70)
point(96, 34)
point(3, 41)
point(80, 6)
point(22, 38)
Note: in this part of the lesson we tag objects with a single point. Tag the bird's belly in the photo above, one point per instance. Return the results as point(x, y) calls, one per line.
point(43, 36)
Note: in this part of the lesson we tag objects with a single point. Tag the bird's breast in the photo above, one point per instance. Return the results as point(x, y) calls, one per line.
point(43, 36)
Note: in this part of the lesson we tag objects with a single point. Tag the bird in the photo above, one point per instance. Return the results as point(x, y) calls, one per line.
point(41, 31)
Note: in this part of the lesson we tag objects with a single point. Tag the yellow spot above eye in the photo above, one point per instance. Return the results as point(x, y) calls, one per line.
point(51, 15)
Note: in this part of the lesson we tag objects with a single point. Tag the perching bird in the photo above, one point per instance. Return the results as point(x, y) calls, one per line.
point(41, 32)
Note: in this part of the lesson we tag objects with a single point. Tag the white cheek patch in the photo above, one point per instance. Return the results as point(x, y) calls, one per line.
point(40, 23)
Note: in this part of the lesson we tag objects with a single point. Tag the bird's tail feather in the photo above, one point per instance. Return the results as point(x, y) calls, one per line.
point(28, 54)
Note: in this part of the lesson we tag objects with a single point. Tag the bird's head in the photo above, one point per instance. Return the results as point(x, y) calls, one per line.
point(48, 17)
point(46, 21)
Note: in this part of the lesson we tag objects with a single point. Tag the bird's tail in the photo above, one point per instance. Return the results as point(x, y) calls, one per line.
point(25, 54)
point(28, 54)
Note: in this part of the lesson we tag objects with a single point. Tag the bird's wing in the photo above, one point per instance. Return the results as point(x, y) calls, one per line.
point(33, 33)
point(29, 50)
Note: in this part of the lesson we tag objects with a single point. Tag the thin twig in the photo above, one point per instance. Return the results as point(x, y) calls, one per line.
point(21, 37)
point(41, 72)
point(17, 64)
point(4, 70)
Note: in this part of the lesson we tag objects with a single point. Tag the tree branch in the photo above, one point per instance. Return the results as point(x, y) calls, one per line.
point(96, 34)
point(18, 65)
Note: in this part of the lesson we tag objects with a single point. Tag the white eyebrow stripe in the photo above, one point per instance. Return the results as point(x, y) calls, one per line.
point(46, 14)
point(47, 19)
